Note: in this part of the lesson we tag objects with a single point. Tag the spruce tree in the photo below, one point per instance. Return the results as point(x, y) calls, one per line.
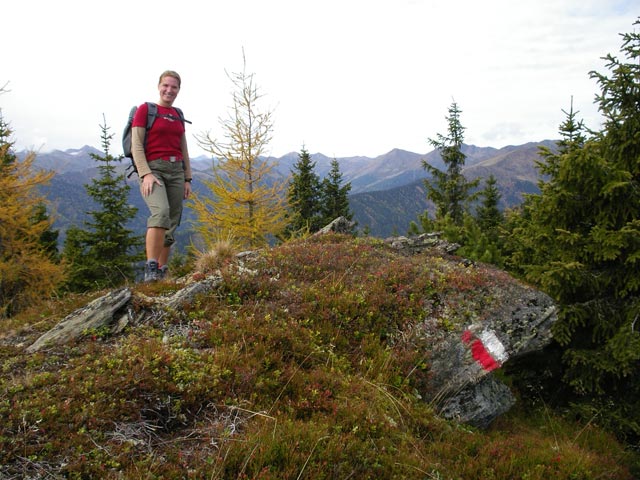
point(304, 197)
point(449, 190)
point(413, 229)
point(572, 133)
point(480, 236)
point(8, 156)
point(48, 238)
point(531, 226)
point(477, 244)
point(103, 254)
point(335, 195)
point(580, 241)
point(488, 214)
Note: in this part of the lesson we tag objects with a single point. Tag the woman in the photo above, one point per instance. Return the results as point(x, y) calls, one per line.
point(162, 160)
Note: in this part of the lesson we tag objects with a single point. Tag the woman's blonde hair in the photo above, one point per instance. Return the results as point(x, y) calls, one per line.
point(170, 73)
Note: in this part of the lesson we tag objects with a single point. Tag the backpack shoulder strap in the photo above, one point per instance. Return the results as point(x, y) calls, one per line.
point(152, 113)
point(181, 114)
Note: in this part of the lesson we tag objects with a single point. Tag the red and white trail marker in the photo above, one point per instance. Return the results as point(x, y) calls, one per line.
point(486, 349)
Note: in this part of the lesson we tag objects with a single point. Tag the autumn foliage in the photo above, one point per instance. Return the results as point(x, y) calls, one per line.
point(27, 272)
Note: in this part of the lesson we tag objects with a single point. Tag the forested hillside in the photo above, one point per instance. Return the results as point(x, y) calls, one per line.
point(387, 191)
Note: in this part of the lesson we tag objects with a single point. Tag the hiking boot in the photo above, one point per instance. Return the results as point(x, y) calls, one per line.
point(162, 272)
point(151, 272)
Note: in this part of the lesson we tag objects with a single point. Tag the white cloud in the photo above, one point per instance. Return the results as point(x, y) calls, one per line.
point(343, 77)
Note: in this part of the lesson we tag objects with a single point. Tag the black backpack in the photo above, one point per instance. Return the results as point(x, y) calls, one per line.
point(152, 113)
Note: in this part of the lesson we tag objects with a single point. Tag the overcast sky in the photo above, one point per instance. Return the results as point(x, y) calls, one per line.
point(342, 77)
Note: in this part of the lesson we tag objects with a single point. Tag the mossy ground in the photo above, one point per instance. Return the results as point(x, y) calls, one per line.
point(307, 366)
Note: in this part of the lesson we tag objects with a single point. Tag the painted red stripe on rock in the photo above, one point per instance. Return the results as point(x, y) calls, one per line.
point(484, 358)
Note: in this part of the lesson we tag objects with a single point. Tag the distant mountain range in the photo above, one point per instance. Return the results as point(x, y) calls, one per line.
point(387, 192)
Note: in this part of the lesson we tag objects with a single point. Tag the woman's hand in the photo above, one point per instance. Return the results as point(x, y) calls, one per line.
point(147, 184)
point(187, 189)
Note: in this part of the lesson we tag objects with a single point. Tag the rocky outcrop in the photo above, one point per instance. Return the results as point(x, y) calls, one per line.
point(517, 321)
point(504, 320)
point(108, 311)
point(114, 311)
point(420, 243)
point(339, 225)
point(511, 319)
point(479, 404)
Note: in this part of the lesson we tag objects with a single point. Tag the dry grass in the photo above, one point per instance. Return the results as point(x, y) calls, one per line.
point(212, 260)
point(304, 368)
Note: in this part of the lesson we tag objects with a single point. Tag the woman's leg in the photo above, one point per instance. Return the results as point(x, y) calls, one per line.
point(157, 224)
point(174, 184)
point(155, 243)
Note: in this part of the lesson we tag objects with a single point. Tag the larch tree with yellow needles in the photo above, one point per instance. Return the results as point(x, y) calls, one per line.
point(246, 202)
point(28, 274)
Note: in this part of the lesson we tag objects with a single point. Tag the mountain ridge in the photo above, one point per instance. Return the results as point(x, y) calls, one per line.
point(387, 191)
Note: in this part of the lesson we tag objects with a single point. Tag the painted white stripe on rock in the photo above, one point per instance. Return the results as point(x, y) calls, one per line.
point(494, 346)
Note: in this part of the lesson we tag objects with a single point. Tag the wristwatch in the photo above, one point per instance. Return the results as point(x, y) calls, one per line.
point(188, 180)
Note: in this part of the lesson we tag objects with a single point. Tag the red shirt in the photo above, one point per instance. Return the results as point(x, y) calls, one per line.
point(165, 136)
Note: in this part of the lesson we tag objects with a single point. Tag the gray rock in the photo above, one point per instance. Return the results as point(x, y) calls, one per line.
point(101, 312)
point(517, 320)
point(422, 242)
point(339, 225)
point(113, 311)
point(479, 404)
